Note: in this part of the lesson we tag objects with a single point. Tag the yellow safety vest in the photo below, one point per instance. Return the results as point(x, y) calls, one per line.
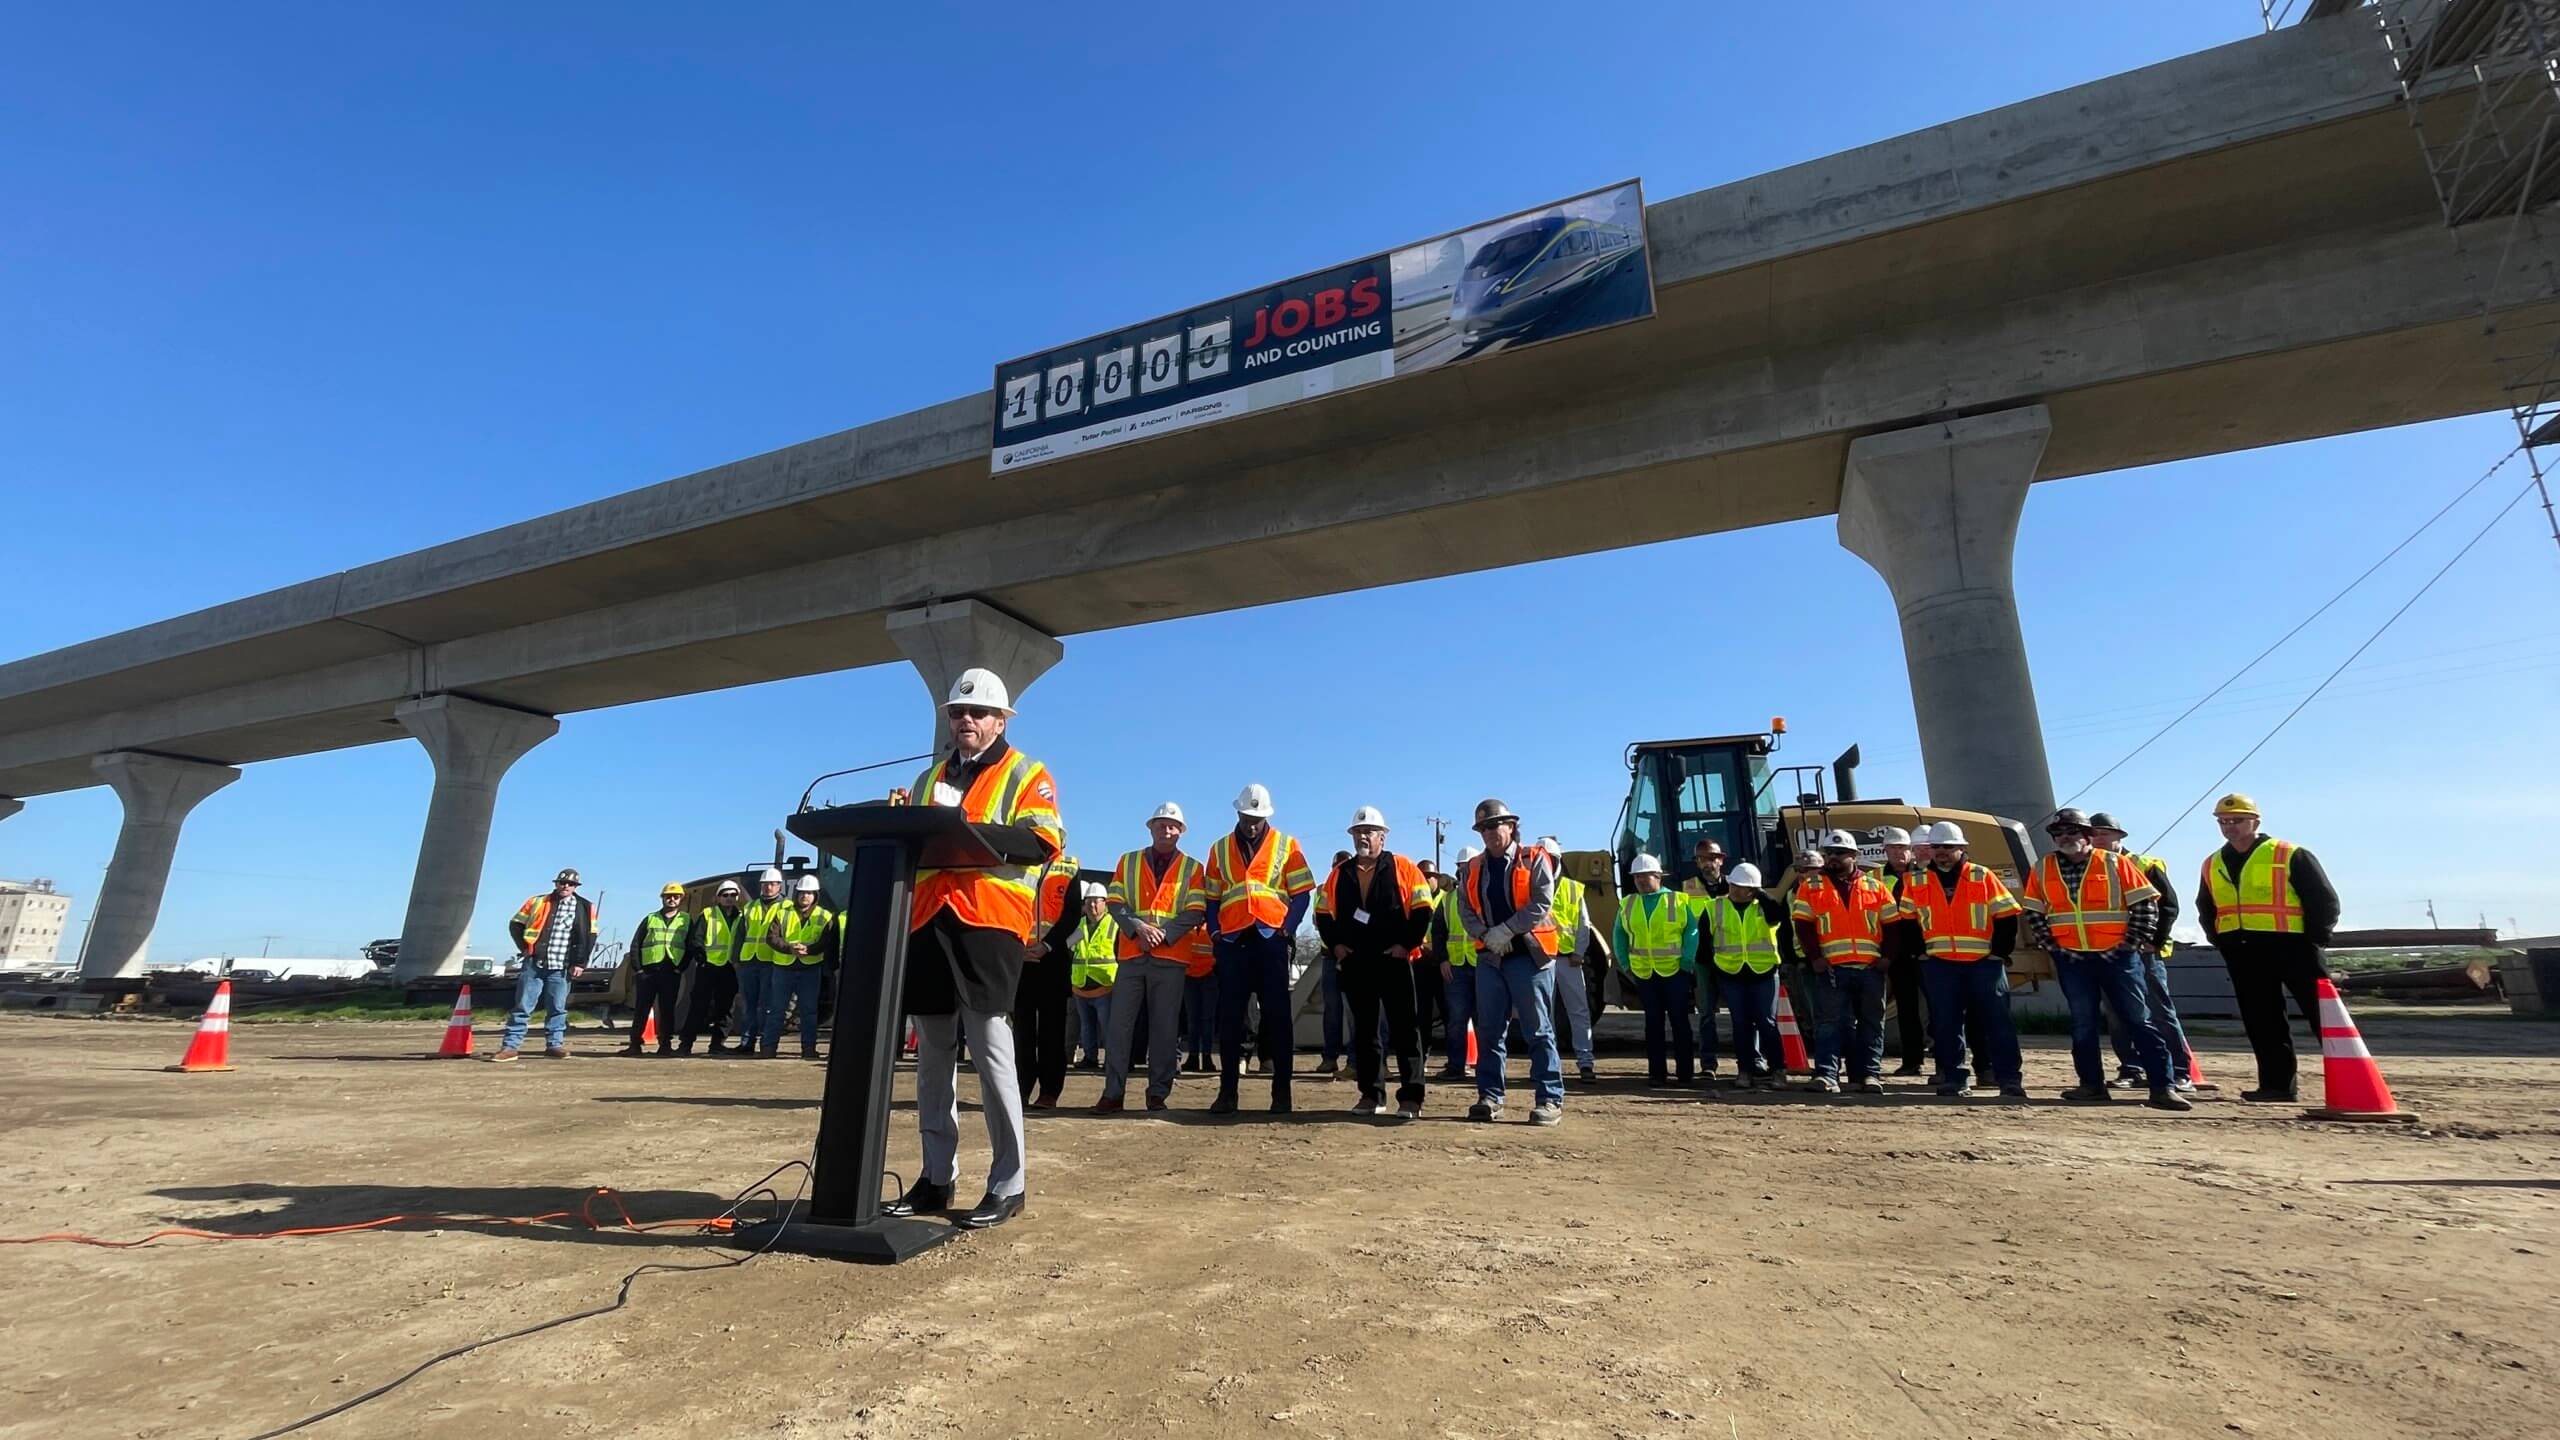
point(719, 937)
point(1654, 925)
point(809, 930)
point(2264, 900)
point(1745, 936)
point(1095, 950)
point(1568, 912)
point(760, 916)
point(2148, 864)
point(662, 937)
point(1462, 950)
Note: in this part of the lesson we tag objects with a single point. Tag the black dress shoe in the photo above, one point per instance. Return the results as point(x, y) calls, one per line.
point(922, 1197)
point(1225, 1104)
point(993, 1210)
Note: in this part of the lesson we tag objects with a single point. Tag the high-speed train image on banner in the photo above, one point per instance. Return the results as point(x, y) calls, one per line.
point(1534, 271)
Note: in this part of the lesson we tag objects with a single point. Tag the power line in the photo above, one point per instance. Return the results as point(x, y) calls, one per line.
point(2342, 594)
point(2530, 487)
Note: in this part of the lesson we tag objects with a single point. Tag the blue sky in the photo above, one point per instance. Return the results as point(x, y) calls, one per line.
point(285, 291)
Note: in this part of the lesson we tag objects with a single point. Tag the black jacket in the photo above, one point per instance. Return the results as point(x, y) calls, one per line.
point(582, 934)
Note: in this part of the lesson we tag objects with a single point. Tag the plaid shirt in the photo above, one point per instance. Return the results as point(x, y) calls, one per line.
point(2141, 918)
point(551, 952)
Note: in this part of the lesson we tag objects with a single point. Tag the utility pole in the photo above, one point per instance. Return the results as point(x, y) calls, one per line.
point(267, 943)
point(2432, 922)
point(1439, 838)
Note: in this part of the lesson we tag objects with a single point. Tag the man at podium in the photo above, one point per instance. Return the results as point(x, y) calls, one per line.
point(964, 952)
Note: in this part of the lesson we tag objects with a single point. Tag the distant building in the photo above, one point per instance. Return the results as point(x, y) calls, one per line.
point(32, 917)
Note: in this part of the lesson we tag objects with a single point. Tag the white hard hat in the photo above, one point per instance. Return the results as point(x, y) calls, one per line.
point(1364, 817)
point(1254, 801)
point(1644, 865)
point(1809, 860)
point(1894, 835)
point(1946, 832)
point(770, 876)
point(729, 887)
point(1168, 811)
point(1093, 891)
point(1839, 840)
point(980, 687)
point(1469, 852)
point(1551, 845)
point(808, 885)
point(1746, 874)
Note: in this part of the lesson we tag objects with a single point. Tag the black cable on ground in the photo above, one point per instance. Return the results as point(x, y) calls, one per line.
point(621, 1298)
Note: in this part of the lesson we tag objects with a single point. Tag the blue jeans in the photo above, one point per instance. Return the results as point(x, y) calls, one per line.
point(1330, 970)
point(1971, 998)
point(542, 989)
point(783, 985)
point(1754, 1002)
point(1857, 1027)
point(1458, 996)
point(1093, 1022)
point(1667, 1035)
point(2114, 977)
point(1200, 1014)
point(1516, 989)
point(1703, 982)
point(755, 981)
point(1254, 966)
point(2164, 1021)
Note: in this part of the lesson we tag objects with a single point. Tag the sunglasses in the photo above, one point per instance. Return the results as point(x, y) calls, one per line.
point(973, 712)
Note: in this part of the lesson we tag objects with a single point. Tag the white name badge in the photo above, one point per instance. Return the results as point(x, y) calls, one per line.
point(1359, 917)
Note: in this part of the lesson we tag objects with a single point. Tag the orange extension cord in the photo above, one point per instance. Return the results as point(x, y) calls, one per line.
point(585, 1213)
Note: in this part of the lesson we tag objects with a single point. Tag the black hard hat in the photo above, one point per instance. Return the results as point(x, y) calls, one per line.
point(2069, 816)
point(2101, 820)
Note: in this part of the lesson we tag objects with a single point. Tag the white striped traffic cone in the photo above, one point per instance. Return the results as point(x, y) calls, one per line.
point(2350, 1081)
point(211, 1049)
point(1790, 1039)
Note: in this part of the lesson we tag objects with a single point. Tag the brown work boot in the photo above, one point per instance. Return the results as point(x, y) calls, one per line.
point(504, 1056)
point(555, 1052)
point(1107, 1105)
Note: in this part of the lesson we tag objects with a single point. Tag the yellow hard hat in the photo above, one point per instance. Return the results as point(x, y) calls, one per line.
point(2234, 803)
point(670, 888)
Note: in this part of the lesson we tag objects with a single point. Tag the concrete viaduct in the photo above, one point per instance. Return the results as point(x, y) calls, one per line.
point(2232, 249)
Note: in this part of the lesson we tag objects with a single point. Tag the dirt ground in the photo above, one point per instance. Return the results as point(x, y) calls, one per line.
point(1654, 1266)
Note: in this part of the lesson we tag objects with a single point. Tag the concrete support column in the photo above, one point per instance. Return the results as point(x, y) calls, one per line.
point(472, 745)
point(1935, 510)
point(949, 636)
point(158, 792)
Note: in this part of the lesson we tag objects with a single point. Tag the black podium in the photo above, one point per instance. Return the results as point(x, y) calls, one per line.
point(884, 845)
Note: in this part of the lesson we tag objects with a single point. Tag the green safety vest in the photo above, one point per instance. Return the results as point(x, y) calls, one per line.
point(1744, 936)
point(1568, 913)
point(719, 937)
point(759, 917)
point(662, 937)
point(1096, 950)
point(799, 929)
point(1462, 950)
point(1654, 926)
point(2150, 863)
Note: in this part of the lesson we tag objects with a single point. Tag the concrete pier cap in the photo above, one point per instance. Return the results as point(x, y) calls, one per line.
point(473, 744)
point(1935, 509)
point(159, 792)
point(948, 636)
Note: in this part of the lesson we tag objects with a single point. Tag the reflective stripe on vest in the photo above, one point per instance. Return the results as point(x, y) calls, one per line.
point(662, 937)
point(2264, 899)
point(2091, 915)
point(1655, 924)
point(1958, 926)
point(1094, 950)
point(2147, 864)
point(1156, 900)
point(1253, 890)
point(760, 915)
point(1522, 857)
point(1013, 791)
point(1851, 928)
point(719, 937)
point(1568, 909)
point(1056, 879)
point(799, 929)
point(1462, 950)
point(1744, 936)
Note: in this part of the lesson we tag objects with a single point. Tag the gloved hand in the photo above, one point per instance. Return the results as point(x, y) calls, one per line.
point(1497, 939)
point(944, 794)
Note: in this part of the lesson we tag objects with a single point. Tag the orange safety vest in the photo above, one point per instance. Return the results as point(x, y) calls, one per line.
point(2092, 919)
point(535, 913)
point(1412, 893)
point(1850, 927)
point(1056, 879)
point(1202, 943)
point(1158, 900)
point(1256, 890)
point(1545, 933)
point(1016, 790)
point(1957, 927)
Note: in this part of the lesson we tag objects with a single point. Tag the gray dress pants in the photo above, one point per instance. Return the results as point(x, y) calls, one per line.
point(938, 1096)
point(1160, 981)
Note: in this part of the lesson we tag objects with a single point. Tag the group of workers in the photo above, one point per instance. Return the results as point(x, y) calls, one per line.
point(1173, 953)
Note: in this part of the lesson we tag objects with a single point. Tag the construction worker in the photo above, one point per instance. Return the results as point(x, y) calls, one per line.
point(1329, 983)
point(966, 933)
point(1902, 954)
point(1153, 897)
point(803, 942)
point(1573, 938)
point(1506, 903)
point(1744, 935)
point(657, 957)
point(755, 959)
point(1840, 914)
point(1200, 998)
point(1967, 924)
point(2269, 908)
point(554, 934)
point(1094, 949)
point(1256, 887)
point(1458, 957)
point(1044, 1003)
point(2098, 915)
point(1708, 856)
point(711, 954)
point(1372, 912)
point(1655, 941)
point(1430, 993)
point(2109, 836)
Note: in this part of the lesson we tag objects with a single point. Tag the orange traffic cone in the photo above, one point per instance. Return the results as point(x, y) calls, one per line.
point(649, 1030)
point(211, 1049)
point(1791, 1056)
point(457, 1031)
point(1471, 1045)
point(2195, 1075)
point(2350, 1081)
